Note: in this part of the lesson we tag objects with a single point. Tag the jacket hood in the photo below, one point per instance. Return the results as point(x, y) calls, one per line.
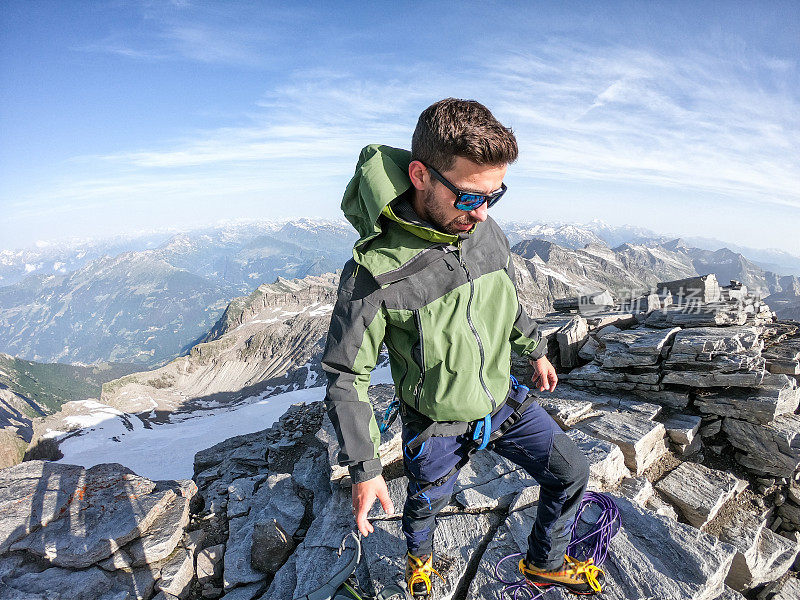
point(381, 177)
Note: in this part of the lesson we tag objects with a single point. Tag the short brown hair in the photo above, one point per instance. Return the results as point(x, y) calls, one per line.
point(466, 128)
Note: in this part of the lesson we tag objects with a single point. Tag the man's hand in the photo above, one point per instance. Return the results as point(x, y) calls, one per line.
point(364, 495)
point(544, 375)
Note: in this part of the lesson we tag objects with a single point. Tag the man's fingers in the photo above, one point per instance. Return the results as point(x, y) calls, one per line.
point(364, 526)
point(360, 513)
point(386, 501)
point(553, 381)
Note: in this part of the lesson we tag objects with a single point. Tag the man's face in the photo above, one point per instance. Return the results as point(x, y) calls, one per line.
point(467, 176)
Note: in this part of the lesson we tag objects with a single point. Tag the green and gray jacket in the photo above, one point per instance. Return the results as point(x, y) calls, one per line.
point(445, 305)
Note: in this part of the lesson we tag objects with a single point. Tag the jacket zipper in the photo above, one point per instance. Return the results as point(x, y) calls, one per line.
point(472, 326)
point(418, 389)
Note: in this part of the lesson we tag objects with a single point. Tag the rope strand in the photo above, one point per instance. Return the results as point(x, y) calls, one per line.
point(593, 544)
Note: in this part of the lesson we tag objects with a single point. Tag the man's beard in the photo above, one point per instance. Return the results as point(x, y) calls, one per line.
point(438, 216)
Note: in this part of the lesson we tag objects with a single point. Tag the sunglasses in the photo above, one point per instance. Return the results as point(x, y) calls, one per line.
point(468, 200)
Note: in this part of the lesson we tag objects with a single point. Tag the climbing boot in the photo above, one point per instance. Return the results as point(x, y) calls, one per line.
point(579, 577)
point(418, 575)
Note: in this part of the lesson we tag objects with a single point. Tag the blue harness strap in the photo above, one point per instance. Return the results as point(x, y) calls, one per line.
point(483, 428)
point(483, 431)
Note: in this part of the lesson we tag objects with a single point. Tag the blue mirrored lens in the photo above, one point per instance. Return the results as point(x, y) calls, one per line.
point(470, 201)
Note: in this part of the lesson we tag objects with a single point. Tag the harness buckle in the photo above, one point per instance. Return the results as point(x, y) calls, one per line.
point(483, 431)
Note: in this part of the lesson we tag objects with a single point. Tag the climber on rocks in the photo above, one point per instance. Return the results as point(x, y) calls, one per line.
point(432, 277)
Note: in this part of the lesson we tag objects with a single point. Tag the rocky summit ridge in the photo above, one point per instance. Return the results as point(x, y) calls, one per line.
point(685, 403)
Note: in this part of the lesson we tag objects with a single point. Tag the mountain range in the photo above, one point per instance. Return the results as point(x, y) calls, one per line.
point(147, 306)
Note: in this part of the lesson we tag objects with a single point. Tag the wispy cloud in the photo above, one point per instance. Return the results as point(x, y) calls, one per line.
point(694, 121)
point(181, 31)
point(616, 114)
point(690, 123)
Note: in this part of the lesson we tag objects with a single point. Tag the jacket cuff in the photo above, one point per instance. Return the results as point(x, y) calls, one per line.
point(364, 471)
point(538, 351)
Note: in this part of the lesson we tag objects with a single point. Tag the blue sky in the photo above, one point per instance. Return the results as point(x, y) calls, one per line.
point(683, 117)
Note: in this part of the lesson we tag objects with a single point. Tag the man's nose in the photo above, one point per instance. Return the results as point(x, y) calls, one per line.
point(480, 213)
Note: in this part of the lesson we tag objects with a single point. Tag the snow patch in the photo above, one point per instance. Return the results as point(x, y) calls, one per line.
point(324, 309)
point(167, 450)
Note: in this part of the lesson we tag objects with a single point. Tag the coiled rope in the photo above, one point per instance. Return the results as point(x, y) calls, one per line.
point(592, 543)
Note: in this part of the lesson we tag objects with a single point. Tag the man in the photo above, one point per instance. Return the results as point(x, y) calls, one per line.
point(432, 278)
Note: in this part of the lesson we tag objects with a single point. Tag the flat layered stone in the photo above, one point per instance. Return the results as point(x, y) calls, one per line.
point(773, 449)
point(589, 348)
point(710, 315)
point(651, 557)
point(682, 429)
point(550, 324)
point(570, 339)
point(699, 492)
point(729, 594)
point(284, 582)
point(723, 363)
point(162, 537)
point(787, 367)
point(606, 460)
point(641, 440)
point(482, 468)
point(762, 556)
point(177, 573)
point(714, 379)
point(634, 347)
point(312, 472)
point(702, 288)
point(708, 343)
point(637, 489)
point(761, 405)
point(670, 398)
point(593, 372)
point(34, 493)
point(618, 318)
point(63, 584)
point(209, 563)
point(567, 408)
point(497, 493)
point(141, 582)
point(111, 506)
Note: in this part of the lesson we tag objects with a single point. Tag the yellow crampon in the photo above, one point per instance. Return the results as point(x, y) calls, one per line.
point(587, 568)
point(418, 571)
point(580, 577)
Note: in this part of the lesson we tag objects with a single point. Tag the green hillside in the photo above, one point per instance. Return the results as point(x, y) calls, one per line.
point(46, 386)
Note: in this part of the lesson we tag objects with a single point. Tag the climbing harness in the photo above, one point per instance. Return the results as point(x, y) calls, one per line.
point(586, 550)
point(519, 398)
point(342, 586)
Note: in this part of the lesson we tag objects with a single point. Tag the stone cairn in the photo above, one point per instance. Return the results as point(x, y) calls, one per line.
point(724, 375)
point(687, 421)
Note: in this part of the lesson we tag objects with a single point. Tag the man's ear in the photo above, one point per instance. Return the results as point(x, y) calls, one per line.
point(418, 174)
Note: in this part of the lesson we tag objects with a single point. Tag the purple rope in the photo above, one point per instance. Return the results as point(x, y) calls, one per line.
point(593, 543)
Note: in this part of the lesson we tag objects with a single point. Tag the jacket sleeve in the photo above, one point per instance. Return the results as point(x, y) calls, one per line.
point(525, 337)
point(354, 340)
